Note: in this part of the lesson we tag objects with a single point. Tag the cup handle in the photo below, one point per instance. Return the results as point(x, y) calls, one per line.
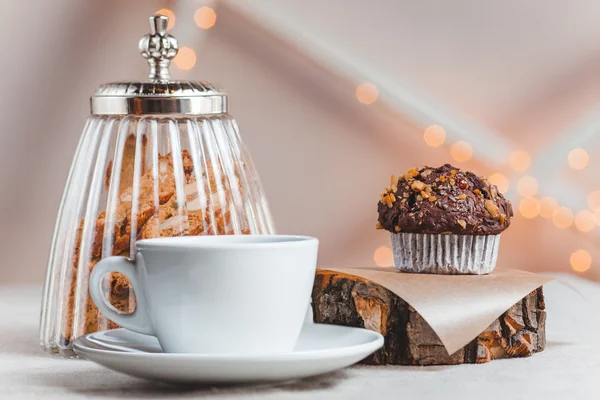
point(136, 321)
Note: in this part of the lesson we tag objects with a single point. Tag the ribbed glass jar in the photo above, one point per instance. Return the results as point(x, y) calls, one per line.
point(137, 177)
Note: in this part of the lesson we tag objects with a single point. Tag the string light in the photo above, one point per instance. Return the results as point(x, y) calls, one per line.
point(563, 217)
point(461, 151)
point(434, 136)
point(585, 221)
point(529, 207)
point(527, 186)
point(500, 180)
point(580, 260)
point(205, 17)
point(384, 257)
point(367, 93)
point(547, 207)
point(185, 59)
point(578, 158)
point(593, 200)
point(170, 14)
point(519, 160)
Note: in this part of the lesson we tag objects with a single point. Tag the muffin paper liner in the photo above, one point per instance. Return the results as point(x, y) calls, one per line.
point(445, 254)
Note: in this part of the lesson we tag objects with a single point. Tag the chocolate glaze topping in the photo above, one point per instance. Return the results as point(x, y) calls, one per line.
point(443, 200)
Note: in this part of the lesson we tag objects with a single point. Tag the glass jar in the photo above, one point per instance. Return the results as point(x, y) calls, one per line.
point(156, 158)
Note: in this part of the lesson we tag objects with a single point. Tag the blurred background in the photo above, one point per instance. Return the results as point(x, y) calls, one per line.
point(332, 98)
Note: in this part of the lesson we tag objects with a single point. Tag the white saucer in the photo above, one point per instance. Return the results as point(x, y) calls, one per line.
point(320, 349)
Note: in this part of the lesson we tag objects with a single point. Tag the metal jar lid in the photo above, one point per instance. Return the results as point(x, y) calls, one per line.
point(159, 95)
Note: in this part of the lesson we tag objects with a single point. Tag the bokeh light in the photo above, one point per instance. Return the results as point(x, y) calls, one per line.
point(580, 260)
point(367, 93)
point(593, 200)
point(461, 151)
point(597, 217)
point(168, 13)
point(585, 221)
point(384, 257)
point(527, 186)
point(205, 17)
point(434, 136)
point(185, 59)
point(529, 207)
point(519, 160)
point(563, 217)
point(578, 158)
point(500, 180)
point(547, 207)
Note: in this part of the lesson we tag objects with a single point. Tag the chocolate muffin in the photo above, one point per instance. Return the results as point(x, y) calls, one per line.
point(444, 220)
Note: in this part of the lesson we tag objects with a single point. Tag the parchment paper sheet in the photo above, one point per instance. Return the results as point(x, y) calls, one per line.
point(457, 307)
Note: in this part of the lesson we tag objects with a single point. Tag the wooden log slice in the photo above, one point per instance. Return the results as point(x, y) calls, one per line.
point(343, 299)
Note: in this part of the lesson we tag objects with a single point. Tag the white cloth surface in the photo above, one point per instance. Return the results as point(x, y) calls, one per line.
point(569, 368)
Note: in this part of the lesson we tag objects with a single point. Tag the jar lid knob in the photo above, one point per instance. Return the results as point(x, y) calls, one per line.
point(159, 48)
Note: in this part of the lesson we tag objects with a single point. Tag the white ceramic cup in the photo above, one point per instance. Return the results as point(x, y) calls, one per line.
point(216, 294)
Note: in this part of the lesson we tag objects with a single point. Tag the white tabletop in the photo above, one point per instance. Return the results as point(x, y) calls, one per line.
point(569, 368)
